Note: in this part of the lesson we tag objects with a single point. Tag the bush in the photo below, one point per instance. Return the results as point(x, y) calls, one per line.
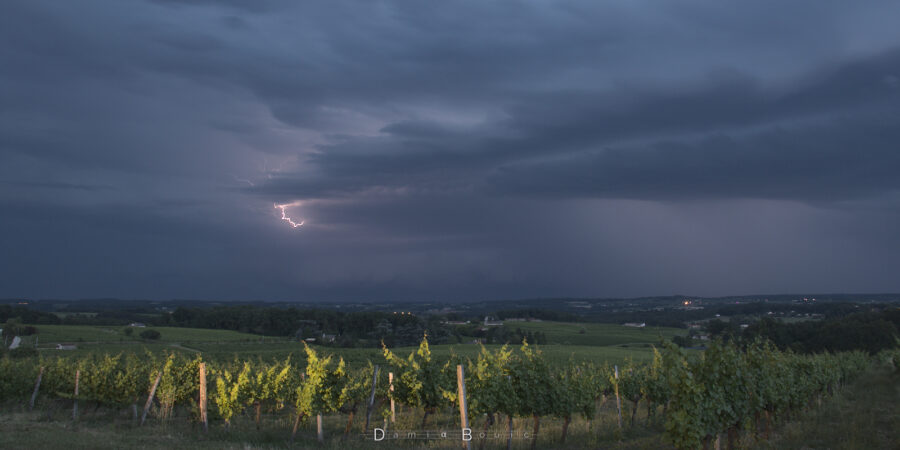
point(150, 334)
point(23, 352)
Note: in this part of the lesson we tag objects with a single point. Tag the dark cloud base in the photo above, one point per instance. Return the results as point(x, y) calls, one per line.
point(453, 151)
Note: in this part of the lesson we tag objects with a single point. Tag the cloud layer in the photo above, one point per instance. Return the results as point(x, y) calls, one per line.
point(463, 150)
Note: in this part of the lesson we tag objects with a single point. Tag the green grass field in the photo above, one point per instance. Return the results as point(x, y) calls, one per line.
point(598, 334)
point(53, 334)
point(599, 343)
point(107, 339)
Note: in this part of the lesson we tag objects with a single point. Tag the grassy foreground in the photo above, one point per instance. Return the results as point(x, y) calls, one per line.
point(52, 428)
point(866, 415)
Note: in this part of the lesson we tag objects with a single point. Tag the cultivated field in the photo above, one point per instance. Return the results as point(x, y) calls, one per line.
point(52, 334)
point(580, 342)
point(596, 334)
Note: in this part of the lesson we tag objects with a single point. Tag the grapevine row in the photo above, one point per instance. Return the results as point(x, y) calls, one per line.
point(723, 390)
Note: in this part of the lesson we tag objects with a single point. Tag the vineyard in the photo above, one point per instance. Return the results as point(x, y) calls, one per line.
point(725, 393)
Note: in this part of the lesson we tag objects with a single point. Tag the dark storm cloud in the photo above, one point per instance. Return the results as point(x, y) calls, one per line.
point(707, 143)
point(55, 185)
point(246, 5)
point(836, 160)
point(446, 150)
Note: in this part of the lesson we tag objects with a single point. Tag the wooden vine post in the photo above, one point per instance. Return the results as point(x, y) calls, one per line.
point(203, 415)
point(150, 397)
point(618, 401)
point(463, 407)
point(75, 403)
point(391, 383)
point(369, 407)
point(319, 433)
point(37, 385)
point(509, 424)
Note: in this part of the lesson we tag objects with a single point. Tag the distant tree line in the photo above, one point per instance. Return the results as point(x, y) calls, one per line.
point(348, 329)
point(679, 318)
point(27, 315)
point(870, 331)
point(109, 317)
point(500, 335)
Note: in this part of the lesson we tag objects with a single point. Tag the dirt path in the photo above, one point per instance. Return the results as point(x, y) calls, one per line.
point(179, 346)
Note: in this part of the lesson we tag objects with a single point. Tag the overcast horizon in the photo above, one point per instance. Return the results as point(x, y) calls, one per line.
point(425, 301)
point(451, 151)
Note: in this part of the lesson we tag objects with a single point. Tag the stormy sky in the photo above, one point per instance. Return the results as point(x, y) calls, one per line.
point(452, 150)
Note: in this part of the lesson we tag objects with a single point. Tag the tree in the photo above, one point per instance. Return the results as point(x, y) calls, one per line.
point(150, 335)
point(722, 329)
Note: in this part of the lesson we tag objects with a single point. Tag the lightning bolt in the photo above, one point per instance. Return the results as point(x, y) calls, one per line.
point(285, 217)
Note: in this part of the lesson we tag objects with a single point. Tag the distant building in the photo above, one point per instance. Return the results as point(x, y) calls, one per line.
point(585, 305)
point(66, 347)
point(635, 324)
point(490, 323)
point(137, 324)
point(328, 337)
